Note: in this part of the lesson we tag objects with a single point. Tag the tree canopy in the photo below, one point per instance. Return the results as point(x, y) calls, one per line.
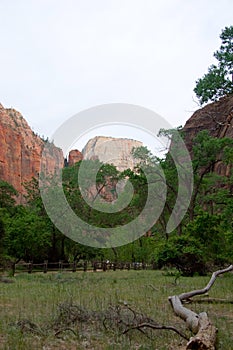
point(217, 82)
point(204, 236)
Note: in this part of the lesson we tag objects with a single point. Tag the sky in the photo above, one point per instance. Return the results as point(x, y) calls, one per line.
point(60, 57)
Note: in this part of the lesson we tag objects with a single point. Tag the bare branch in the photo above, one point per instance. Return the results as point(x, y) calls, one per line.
point(153, 326)
point(63, 330)
point(215, 274)
point(199, 324)
point(211, 301)
point(154, 288)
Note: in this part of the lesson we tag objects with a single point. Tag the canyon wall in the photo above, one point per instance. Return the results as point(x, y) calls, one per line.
point(116, 151)
point(217, 118)
point(74, 157)
point(21, 150)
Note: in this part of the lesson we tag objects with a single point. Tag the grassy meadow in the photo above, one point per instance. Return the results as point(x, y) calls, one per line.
point(67, 311)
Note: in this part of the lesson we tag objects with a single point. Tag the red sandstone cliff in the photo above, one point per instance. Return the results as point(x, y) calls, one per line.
point(20, 151)
point(217, 118)
point(74, 157)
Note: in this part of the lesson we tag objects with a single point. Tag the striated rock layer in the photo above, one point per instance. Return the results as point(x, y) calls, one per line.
point(116, 151)
point(21, 150)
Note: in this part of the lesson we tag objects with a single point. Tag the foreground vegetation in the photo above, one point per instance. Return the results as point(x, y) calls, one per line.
point(36, 310)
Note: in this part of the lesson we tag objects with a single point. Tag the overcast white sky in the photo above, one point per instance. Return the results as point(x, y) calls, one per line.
point(61, 57)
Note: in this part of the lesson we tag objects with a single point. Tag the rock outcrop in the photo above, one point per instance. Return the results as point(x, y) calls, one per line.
point(116, 151)
point(74, 157)
point(217, 118)
point(21, 150)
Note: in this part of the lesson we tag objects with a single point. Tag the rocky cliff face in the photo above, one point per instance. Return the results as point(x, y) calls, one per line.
point(74, 157)
point(116, 151)
point(217, 118)
point(20, 151)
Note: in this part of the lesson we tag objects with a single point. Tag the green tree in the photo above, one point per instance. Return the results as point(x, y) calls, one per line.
point(185, 253)
point(56, 246)
point(201, 237)
point(7, 195)
point(2, 234)
point(26, 235)
point(95, 187)
point(7, 208)
point(218, 81)
point(211, 190)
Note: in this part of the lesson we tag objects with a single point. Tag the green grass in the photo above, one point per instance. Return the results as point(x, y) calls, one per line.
point(36, 298)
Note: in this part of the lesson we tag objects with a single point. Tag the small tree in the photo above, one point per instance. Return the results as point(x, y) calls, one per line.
point(7, 195)
point(218, 81)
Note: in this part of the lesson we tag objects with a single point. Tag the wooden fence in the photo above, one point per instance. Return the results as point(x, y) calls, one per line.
point(94, 266)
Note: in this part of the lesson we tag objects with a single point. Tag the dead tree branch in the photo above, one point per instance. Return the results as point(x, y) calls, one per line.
point(215, 274)
point(199, 324)
point(211, 301)
point(153, 326)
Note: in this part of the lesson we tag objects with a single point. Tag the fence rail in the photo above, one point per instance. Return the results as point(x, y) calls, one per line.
point(94, 266)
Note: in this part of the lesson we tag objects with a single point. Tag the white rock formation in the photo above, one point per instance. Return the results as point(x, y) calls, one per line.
point(116, 151)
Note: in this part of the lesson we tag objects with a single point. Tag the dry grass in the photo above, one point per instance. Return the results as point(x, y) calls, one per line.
point(29, 310)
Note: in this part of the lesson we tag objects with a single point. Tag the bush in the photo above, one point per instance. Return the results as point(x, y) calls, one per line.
point(183, 252)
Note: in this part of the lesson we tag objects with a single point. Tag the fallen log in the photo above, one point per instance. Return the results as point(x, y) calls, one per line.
point(211, 301)
point(205, 332)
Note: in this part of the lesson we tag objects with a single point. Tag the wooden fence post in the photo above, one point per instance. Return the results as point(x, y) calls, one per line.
point(45, 268)
point(74, 266)
point(30, 266)
point(104, 266)
point(60, 265)
point(13, 269)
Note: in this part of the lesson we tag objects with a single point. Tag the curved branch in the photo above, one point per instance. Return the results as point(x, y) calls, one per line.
point(153, 326)
point(215, 274)
point(199, 324)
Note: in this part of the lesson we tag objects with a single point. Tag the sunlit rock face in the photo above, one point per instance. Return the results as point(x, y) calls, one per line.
point(21, 150)
point(116, 151)
point(21, 153)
